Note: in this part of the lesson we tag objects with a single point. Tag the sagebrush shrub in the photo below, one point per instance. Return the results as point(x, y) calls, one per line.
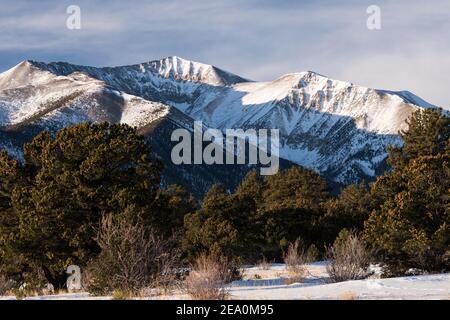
point(348, 257)
point(131, 258)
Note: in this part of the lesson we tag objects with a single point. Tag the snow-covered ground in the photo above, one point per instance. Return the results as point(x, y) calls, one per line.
point(317, 286)
point(270, 283)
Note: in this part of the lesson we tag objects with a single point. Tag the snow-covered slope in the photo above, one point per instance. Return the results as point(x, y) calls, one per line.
point(335, 127)
point(32, 94)
point(33, 98)
point(332, 126)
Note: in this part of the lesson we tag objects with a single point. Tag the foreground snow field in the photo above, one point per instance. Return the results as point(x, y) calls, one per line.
point(316, 286)
point(269, 283)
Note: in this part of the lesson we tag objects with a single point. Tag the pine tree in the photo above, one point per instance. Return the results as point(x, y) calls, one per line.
point(222, 226)
point(348, 210)
point(249, 194)
point(251, 186)
point(169, 209)
point(65, 185)
point(11, 176)
point(427, 135)
point(410, 226)
point(292, 207)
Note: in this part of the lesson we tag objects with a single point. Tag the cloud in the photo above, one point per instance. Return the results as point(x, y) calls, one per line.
point(259, 40)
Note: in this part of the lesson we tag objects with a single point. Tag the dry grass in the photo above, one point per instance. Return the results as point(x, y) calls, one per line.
point(122, 295)
point(6, 284)
point(347, 296)
point(264, 264)
point(295, 260)
point(22, 293)
point(33, 291)
point(294, 279)
point(207, 278)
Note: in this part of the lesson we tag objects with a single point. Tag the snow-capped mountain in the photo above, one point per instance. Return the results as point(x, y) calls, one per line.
point(32, 99)
point(335, 127)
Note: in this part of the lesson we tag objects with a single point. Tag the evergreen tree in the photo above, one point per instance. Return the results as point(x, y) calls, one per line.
point(410, 225)
point(249, 194)
point(222, 226)
point(11, 176)
point(251, 186)
point(427, 135)
point(169, 209)
point(65, 185)
point(292, 207)
point(349, 210)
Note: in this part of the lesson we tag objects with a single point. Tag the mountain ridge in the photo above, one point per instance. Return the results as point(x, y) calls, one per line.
point(339, 129)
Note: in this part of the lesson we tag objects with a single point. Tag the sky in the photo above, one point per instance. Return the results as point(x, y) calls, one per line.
point(257, 39)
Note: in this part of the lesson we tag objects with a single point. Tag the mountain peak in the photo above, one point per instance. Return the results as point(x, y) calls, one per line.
point(172, 67)
point(182, 69)
point(25, 72)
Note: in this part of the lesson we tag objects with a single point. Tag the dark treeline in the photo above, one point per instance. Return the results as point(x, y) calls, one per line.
point(52, 204)
point(404, 215)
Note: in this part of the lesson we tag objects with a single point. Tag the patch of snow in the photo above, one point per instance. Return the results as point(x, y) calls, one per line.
point(269, 283)
point(139, 112)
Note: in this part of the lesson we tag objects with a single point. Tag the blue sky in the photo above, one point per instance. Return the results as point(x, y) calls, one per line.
point(260, 40)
